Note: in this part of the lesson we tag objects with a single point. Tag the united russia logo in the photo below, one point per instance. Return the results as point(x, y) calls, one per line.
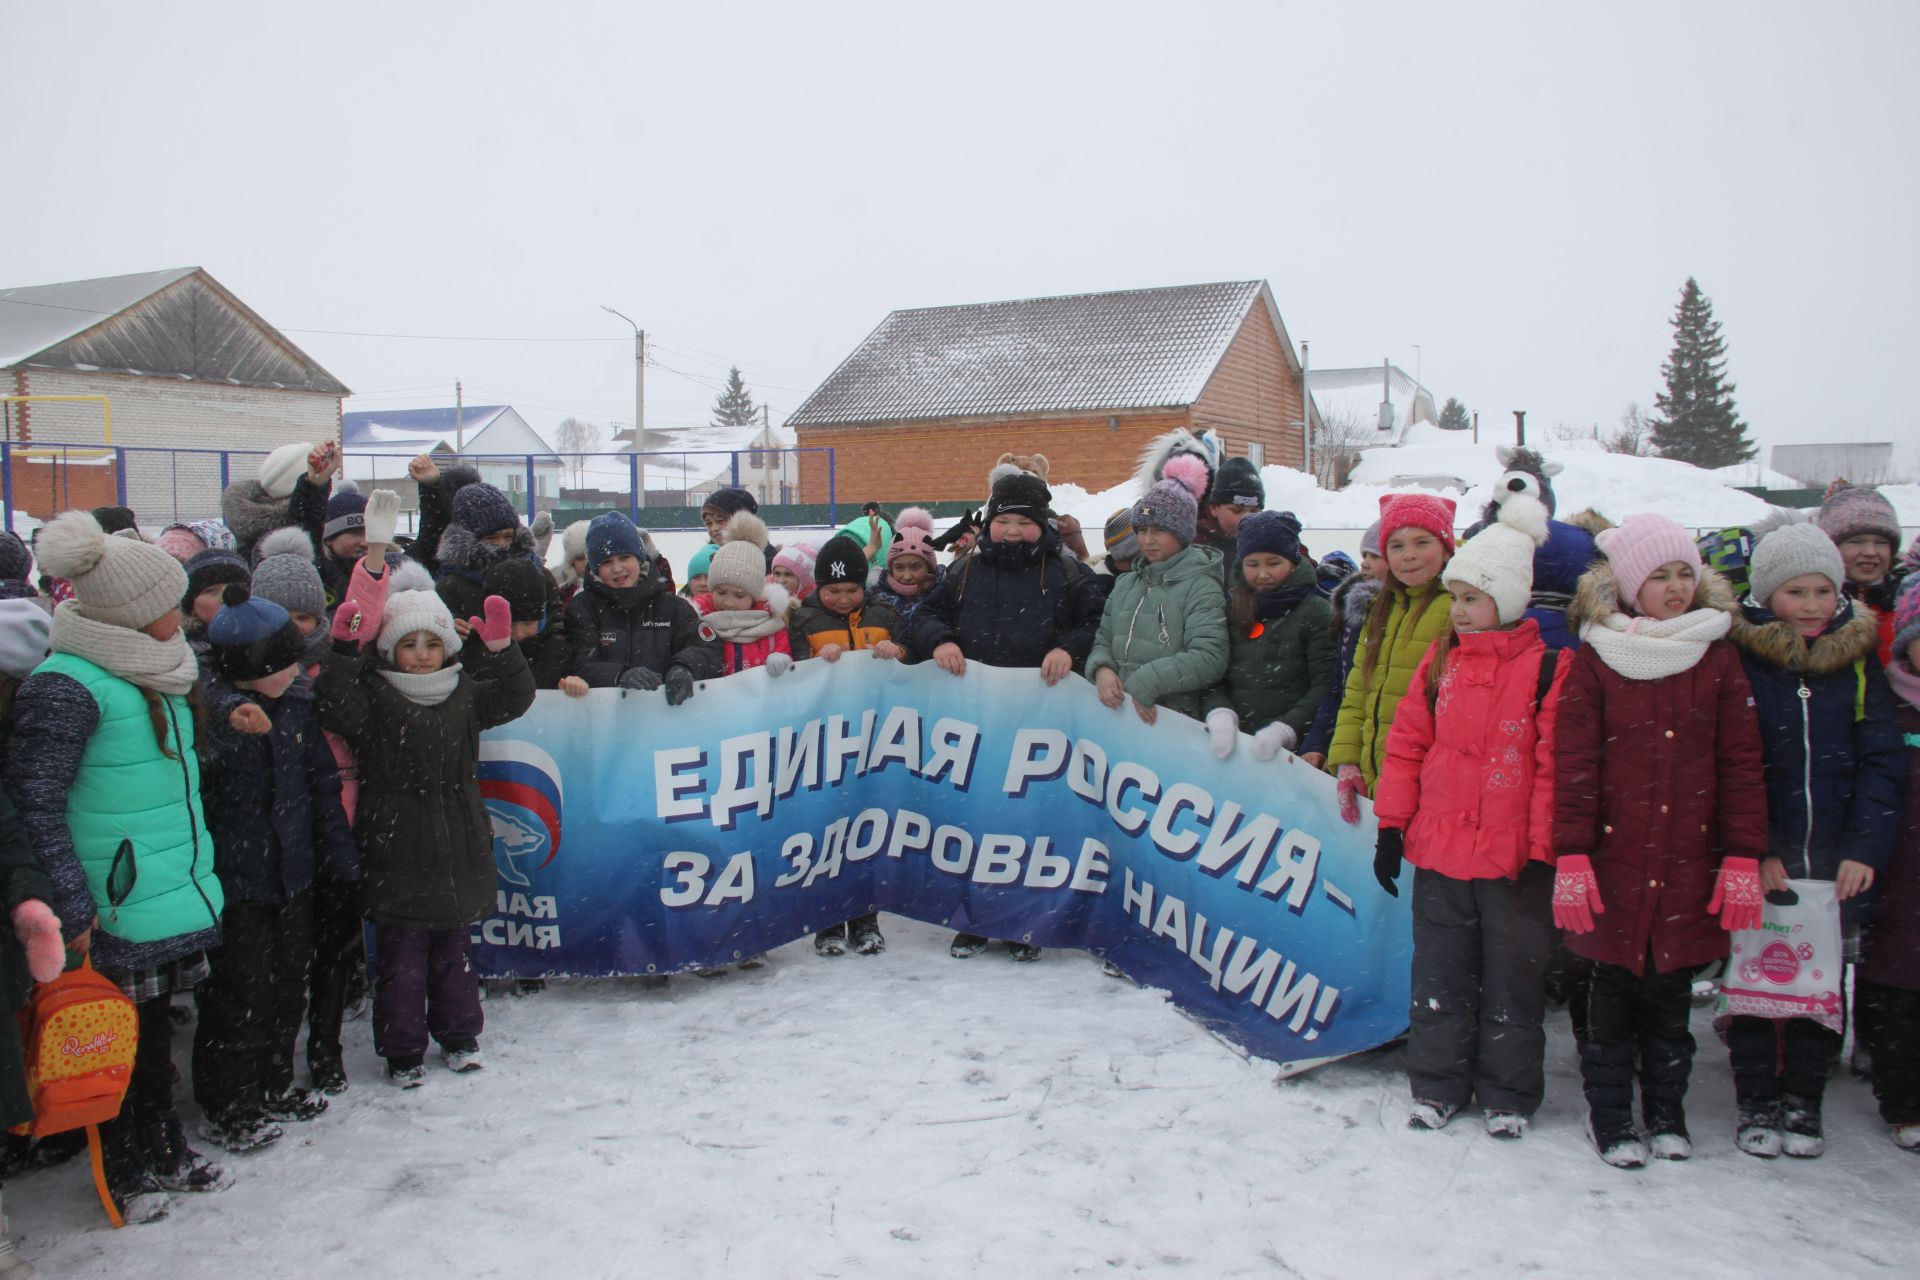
point(520, 784)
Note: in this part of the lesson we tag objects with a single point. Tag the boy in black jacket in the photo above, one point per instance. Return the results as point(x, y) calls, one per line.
point(627, 628)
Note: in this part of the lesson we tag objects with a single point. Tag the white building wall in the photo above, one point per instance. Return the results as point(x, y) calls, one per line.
point(176, 414)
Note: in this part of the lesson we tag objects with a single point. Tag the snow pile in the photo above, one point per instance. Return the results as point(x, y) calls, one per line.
point(909, 1115)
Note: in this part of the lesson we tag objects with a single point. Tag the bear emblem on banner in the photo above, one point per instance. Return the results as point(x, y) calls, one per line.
point(520, 785)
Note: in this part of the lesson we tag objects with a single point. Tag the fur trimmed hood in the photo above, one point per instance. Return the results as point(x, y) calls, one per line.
point(1351, 600)
point(463, 553)
point(1590, 520)
point(1766, 638)
point(251, 512)
point(1598, 596)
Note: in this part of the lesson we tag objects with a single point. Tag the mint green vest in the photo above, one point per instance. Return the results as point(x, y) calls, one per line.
point(127, 789)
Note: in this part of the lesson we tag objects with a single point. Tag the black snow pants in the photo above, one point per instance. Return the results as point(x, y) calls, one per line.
point(1891, 1018)
point(1643, 1015)
point(251, 1005)
point(1772, 1059)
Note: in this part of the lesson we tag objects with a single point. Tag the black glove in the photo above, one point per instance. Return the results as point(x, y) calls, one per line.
point(679, 685)
point(643, 679)
point(1388, 854)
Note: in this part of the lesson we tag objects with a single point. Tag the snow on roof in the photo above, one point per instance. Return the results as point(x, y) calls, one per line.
point(1137, 348)
point(36, 317)
point(374, 428)
point(1354, 395)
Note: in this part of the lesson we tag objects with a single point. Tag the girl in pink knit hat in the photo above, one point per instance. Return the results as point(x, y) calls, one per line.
point(913, 567)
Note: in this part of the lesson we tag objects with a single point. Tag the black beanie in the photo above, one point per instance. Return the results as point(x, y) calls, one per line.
point(1020, 493)
point(730, 500)
point(212, 568)
point(115, 519)
point(1237, 484)
point(841, 560)
point(523, 585)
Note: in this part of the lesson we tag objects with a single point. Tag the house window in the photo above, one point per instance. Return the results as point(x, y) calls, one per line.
point(756, 460)
point(514, 481)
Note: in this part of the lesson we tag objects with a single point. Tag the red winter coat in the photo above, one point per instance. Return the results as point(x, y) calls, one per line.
point(1892, 946)
point(1471, 781)
point(743, 655)
point(1656, 781)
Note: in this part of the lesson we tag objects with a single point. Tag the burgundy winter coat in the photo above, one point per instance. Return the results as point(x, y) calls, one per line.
point(1892, 948)
point(1656, 781)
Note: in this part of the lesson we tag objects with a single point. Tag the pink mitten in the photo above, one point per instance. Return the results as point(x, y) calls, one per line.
point(1352, 787)
point(357, 620)
point(1737, 895)
point(1576, 894)
point(39, 932)
point(496, 629)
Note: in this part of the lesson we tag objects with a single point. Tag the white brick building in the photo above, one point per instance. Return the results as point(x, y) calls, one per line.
point(181, 364)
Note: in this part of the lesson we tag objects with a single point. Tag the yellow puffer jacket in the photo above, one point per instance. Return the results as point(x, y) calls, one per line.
point(1416, 617)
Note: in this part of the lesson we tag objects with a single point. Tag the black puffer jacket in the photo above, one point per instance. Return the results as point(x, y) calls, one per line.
point(1009, 604)
point(464, 561)
point(273, 803)
point(646, 625)
point(426, 846)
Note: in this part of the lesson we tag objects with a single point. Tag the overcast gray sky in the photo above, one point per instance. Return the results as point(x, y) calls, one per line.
point(1518, 189)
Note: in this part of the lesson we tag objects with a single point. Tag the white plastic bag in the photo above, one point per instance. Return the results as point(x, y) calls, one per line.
point(1792, 966)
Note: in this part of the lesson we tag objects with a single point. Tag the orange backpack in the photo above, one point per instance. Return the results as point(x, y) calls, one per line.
point(80, 1032)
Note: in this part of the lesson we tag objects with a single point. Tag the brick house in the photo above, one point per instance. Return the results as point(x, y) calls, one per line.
point(923, 408)
point(182, 363)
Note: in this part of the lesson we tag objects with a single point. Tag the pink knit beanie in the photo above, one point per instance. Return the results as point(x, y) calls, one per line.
point(913, 537)
point(1639, 545)
point(797, 558)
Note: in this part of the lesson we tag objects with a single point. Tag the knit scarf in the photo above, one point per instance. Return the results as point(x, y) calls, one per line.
point(1906, 684)
point(1650, 649)
point(742, 625)
point(164, 666)
point(1281, 600)
point(429, 689)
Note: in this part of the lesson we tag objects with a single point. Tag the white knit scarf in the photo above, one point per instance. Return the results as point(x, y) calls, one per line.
point(429, 689)
point(1651, 649)
point(164, 666)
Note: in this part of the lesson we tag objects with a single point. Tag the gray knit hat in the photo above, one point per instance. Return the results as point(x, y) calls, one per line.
point(1790, 551)
point(1167, 505)
point(286, 574)
point(123, 582)
point(1857, 510)
point(1370, 540)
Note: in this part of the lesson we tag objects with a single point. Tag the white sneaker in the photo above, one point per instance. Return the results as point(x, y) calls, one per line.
point(1907, 1136)
point(406, 1077)
point(1506, 1124)
point(1670, 1146)
point(462, 1060)
point(1429, 1115)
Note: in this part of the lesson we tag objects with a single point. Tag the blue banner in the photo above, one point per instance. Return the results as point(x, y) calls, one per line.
point(637, 838)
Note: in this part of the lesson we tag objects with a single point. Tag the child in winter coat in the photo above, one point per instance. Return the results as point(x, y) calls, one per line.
point(288, 576)
point(793, 570)
point(913, 569)
point(1351, 602)
point(103, 770)
point(414, 714)
point(485, 531)
point(838, 618)
point(1660, 821)
point(1016, 601)
point(1466, 795)
point(1163, 634)
point(1280, 656)
point(1866, 529)
point(1887, 983)
point(1834, 776)
point(273, 806)
point(742, 607)
point(1416, 534)
point(627, 628)
point(697, 566)
point(539, 626)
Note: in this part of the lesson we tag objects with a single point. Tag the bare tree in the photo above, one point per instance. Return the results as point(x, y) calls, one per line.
point(577, 436)
point(1568, 432)
point(1337, 446)
point(1633, 436)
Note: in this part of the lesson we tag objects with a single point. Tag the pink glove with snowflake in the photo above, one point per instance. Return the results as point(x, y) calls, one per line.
point(1737, 895)
point(496, 629)
point(1352, 786)
point(1576, 894)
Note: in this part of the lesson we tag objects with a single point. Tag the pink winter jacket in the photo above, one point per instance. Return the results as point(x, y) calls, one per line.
point(1471, 780)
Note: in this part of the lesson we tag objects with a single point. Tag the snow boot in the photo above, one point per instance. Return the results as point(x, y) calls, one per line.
point(1666, 1124)
point(1617, 1142)
point(1023, 951)
point(1800, 1132)
point(1907, 1136)
point(240, 1129)
point(831, 941)
point(56, 1149)
point(1757, 1132)
point(1505, 1124)
point(1429, 1115)
point(406, 1072)
point(866, 938)
point(465, 1058)
point(177, 1166)
point(136, 1193)
point(966, 944)
point(293, 1103)
point(329, 1074)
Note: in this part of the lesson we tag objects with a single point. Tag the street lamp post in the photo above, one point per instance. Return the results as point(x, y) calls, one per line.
point(639, 409)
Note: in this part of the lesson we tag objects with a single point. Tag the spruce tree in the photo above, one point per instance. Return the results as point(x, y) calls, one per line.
point(1694, 419)
point(735, 407)
point(1453, 416)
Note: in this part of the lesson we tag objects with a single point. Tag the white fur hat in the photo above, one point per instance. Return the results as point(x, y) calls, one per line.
point(1499, 559)
point(283, 467)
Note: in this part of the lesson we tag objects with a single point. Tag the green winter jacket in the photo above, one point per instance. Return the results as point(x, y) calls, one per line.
point(129, 792)
point(1164, 631)
point(1279, 668)
point(1415, 619)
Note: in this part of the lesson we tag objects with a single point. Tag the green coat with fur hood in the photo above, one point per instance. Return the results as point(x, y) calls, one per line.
point(1415, 618)
point(1164, 631)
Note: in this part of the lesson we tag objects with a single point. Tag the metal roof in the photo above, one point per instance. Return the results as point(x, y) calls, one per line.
point(1134, 349)
point(41, 316)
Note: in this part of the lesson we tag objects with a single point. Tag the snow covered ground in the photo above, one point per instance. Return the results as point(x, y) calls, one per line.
point(910, 1115)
